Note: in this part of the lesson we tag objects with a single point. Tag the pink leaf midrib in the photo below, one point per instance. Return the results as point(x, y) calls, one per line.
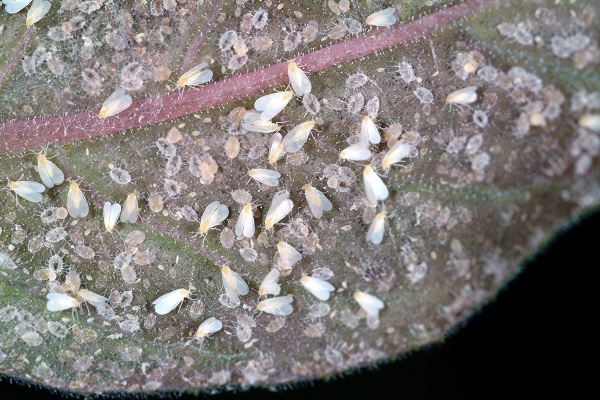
point(18, 136)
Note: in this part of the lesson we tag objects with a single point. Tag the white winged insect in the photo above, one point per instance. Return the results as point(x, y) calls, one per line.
point(245, 223)
point(397, 153)
point(118, 101)
point(77, 205)
point(281, 206)
point(14, 6)
point(168, 302)
point(368, 302)
point(234, 285)
point(317, 287)
point(384, 17)
point(130, 210)
point(272, 104)
point(30, 191)
point(298, 79)
point(375, 189)
point(269, 285)
point(87, 296)
point(252, 122)
point(317, 202)
point(276, 148)
point(355, 152)
point(369, 133)
point(265, 176)
point(296, 138)
point(60, 302)
point(288, 255)
point(197, 75)
point(377, 228)
point(590, 121)
point(50, 174)
point(213, 215)
point(38, 9)
point(281, 306)
point(463, 96)
point(207, 328)
point(111, 214)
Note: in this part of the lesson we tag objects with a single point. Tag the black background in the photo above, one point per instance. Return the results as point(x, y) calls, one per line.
point(534, 339)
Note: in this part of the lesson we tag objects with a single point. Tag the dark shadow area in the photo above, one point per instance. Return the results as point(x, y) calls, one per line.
point(533, 339)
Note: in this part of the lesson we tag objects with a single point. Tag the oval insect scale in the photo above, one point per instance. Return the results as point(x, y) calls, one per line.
point(168, 302)
point(384, 17)
point(296, 138)
point(77, 205)
point(195, 76)
point(317, 202)
point(375, 189)
point(377, 229)
point(117, 102)
point(30, 191)
point(317, 287)
point(111, 215)
point(298, 79)
point(281, 306)
point(245, 223)
point(265, 176)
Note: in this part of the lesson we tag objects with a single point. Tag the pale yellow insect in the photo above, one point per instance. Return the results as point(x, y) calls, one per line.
point(197, 75)
point(296, 138)
point(30, 191)
point(463, 96)
point(272, 104)
point(375, 189)
point(371, 304)
point(245, 223)
point(117, 102)
point(167, 302)
point(317, 287)
point(281, 306)
point(288, 255)
point(50, 174)
point(298, 79)
point(77, 205)
point(377, 228)
point(207, 328)
point(130, 209)
point(384, 17)
point(269, 285)
point(233, 284)
point(37, 11)
point(281, 206)
point(213, 215)
point(317, 202)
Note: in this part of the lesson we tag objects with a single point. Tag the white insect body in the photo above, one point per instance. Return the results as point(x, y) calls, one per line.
point(38, 9)
point(276, 148)
point(384, 17)
point(355, 152)
point(195, 76)
point(167, 302)
point(377, 228)
point(50, 174)
point(30, 191)
point(60, 302)
point(252, 122)
point(289, 255)
point(375, 189)
point(245, 223)
point(369, 133)
point(111, 215)
point(317, 202)
point(14, 6)
point(213, 215)
point(265, 176)
point(298, 79)
point(118, 101)
point(234, 285)
point(463, 96)
point(317, 287)
point(130, 210)
point(397, 153)
point(272, 104)
point(590, 121)
point(368, 302)
point(77, 205)
point(281, 206)
point(269, 285)
point(208, 327)
point(281, 306)
point(296, 138)
point(87, 296)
